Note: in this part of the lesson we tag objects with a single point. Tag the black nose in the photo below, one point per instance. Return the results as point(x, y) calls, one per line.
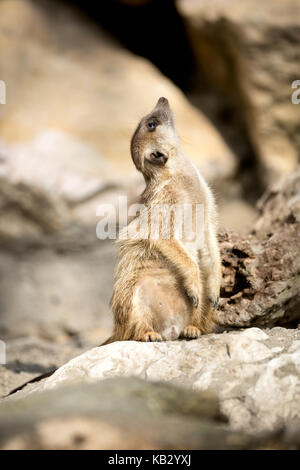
point(163, 101)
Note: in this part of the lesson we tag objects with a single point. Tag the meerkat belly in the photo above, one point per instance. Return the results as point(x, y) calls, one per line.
point(159, 295)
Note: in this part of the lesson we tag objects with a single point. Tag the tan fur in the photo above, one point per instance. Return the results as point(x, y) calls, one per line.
point(159, 282)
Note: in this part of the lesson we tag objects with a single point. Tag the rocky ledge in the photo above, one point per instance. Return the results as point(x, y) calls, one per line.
point(249, 378)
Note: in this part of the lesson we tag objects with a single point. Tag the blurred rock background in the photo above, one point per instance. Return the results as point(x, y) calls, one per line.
point(79, 75)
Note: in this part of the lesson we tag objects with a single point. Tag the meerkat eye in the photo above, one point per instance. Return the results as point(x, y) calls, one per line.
point(151, 125)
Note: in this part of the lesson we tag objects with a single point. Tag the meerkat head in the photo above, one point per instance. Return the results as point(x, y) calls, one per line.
point(155, 140)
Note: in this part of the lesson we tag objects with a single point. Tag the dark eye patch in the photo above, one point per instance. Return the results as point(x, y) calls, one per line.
point(152, 123)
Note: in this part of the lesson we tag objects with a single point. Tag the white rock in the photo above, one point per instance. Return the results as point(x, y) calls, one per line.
point(259, 388)
point(57, 163)
point(254, 333)
point(247, 350)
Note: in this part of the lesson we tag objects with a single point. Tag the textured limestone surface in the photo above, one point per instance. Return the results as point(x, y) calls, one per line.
point(255, 372)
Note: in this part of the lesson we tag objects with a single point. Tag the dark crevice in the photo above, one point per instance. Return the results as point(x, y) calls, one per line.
point(240, 284)
point(239, 253)
point(154, 30)
point(226, 264)
point(43, 376)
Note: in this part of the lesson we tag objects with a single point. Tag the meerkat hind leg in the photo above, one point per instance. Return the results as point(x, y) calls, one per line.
point(161, 305)
point(202, 320)
point(142, 317)
point(191, 332)
point(151, 336)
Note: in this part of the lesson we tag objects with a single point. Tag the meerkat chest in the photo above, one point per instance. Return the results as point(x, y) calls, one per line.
point(194, 201)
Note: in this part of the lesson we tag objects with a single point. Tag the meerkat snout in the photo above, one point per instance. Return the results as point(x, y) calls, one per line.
point(162, 100)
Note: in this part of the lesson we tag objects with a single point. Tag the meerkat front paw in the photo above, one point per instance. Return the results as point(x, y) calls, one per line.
point(194, 295)
point(214, 291)
point(214, 301)
point(195, 301)
point(191, 332)
point(151, 336)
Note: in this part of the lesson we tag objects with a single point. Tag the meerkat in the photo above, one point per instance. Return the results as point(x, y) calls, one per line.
point(166, 287)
